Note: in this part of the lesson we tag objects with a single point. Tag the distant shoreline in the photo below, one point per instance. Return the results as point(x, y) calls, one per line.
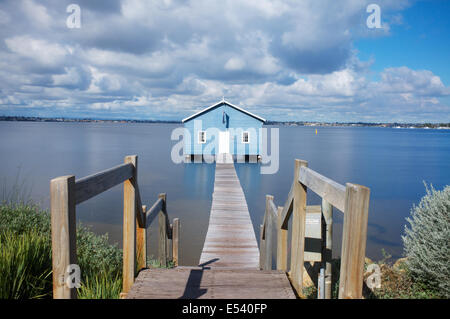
point(287, 123)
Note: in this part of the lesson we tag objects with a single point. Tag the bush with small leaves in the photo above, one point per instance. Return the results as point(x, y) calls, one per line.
point(427, 241)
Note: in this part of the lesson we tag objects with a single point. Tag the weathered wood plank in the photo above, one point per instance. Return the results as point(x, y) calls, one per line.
point(287, 208)
point(162, 240)
point(90, 186)
point(327, 238)
point(129, 228)
point(282, 241)
point(298, 230)
point(268, 232)
point(141, 244)
point(151, 214)
point(214, 283)
point(63, 223)
point(175, 240)
point(140, 214)
point(313, 234)
point(354, 236)
point(332, 192)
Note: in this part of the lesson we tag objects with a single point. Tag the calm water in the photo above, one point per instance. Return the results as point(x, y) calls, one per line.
point(392, 162)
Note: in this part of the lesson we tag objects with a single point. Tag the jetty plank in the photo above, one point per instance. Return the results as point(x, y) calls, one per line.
point(230, 239)
point(210, 283)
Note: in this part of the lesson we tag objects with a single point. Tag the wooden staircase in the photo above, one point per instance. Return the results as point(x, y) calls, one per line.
point(229, 263)
point(211, 283)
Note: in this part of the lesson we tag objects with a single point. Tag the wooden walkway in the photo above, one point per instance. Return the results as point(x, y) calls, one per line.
point(213, 283)
point(229, 263)
point(230, 240)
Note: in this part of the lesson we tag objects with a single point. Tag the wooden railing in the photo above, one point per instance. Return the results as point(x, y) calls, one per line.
point(352, 200)
point(66, 193)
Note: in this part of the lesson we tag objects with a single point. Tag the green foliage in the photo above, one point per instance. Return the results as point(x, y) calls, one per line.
point(20, 218)
point(103, 285)
point(96, 255)
point(25, 265)
point(398, 284)
point(427, 242)
point(154, 263)
point(310, 292)
point(25, 260)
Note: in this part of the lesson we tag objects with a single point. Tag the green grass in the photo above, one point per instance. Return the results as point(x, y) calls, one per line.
point(104, 285)
point(25, 265)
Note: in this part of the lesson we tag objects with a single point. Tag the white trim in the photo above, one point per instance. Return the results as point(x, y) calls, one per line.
point(198, 137)
point(217, 104)
point(248, 137)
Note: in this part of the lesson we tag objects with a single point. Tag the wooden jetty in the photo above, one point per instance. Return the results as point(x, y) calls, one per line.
point(231, 265)
point(230, 240)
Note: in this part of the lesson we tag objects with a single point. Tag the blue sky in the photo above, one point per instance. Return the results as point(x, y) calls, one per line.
point(281, 59)
point(420, 42)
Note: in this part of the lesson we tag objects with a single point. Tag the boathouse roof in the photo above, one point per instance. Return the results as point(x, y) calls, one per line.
point(219, 104)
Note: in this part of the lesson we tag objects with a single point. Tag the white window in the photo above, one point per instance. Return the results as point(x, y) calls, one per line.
point(201, 137)
point(245, 137)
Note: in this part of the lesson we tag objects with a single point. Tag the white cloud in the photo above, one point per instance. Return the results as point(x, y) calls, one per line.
point(282, 59)
point(42, 51)
point(36, 14)
point(234, 64)
point(405, 80)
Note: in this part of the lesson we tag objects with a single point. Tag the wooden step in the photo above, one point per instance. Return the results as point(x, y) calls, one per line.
point(210, 283)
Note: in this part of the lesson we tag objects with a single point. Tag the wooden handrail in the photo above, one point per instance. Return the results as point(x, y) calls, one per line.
point(90, 186)
point(151, 214)
point(352, 200)
point(287, 208)
point(66, 193)
point(267, 228)
point(332, 192)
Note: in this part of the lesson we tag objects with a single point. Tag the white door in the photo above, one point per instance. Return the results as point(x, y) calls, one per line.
point(224, 142)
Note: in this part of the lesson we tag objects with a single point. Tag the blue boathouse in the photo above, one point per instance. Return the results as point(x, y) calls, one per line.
point(223, 128)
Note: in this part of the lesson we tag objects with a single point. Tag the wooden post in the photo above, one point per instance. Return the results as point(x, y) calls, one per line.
point(327, 245)
point(282, 239)
point(129, 227)
point(141, 243)
point(298, 229)
point(63, 222)
point(269, 235)
point(321, 284)
point(162, 241)
point(262, 247)
point(175, 241)
point(169, 241)
point(354, 237)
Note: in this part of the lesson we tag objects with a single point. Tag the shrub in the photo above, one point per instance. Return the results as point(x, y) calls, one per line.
point(20, 218)
point(26, 264)
point(96, 255)
point(427, 242)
